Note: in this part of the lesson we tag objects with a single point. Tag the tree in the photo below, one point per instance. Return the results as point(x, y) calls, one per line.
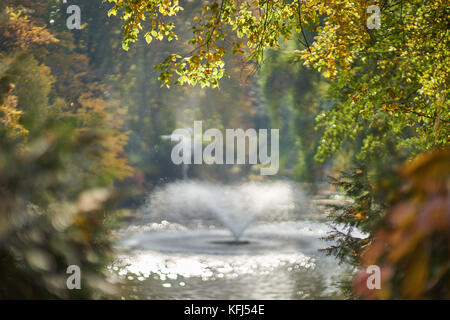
point(411, 245)
point(57, 166)
point(396, 74)
point(295, 95)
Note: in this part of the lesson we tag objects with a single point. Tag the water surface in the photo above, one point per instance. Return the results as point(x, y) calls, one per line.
point(196, 240)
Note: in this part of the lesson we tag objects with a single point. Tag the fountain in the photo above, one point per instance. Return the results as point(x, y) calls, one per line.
point(200, 240)
point(236, 207)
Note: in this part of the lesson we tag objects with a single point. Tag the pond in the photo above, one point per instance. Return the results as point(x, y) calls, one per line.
point(256, 240)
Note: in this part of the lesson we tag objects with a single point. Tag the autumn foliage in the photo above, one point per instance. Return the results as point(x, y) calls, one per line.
point(412, 244)
point(60, 155)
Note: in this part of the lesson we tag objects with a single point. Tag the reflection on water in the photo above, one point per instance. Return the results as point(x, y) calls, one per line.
point(277, 258)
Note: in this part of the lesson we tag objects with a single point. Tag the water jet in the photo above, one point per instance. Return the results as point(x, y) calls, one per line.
point(196, 204)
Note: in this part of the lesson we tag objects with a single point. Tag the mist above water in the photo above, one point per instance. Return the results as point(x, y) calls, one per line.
point(235, 207)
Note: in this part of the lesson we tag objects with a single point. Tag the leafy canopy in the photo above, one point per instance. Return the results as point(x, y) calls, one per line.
point(387, 83)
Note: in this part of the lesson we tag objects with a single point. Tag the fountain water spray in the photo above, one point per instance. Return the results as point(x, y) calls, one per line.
point(236, 207)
